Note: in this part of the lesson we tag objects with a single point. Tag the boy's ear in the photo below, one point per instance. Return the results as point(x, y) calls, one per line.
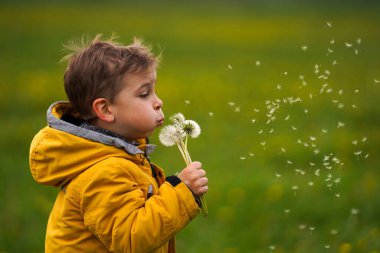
point(101, 109)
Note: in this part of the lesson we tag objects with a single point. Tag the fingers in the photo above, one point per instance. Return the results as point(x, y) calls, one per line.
point(195, 178)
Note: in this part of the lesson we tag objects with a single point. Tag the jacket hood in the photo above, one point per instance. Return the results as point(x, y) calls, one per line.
point(65, 148)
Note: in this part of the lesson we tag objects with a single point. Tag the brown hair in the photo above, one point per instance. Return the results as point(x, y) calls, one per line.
point(96, 69)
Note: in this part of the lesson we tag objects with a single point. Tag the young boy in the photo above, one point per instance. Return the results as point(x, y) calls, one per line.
point(95, 149)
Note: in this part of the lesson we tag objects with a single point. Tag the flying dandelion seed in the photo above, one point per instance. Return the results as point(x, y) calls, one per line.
point(329, 51)
point(356, 91)
point(187, 102)
point(329, 24)
point(231, 103)
point(376, 81)
point(258, 63)
point(354, 211)
point(312, 138)
point(310, 183)
point(237, 109)
point(316, 172)
point(229, 66)
point(251, 154)
point(211, 114)
point(294, 128)
point(359, 41)
point(253, 121)
point(364, 139)
point(337, 195)
point(334, 231)
point(287, 211)
point(327, 246)
point(279, 87)
point(243, 157)
point(341, 124)
point(332, 42)
point(304, 48)
point(302, 227)
point(348, 45)
point(334, 62)
point(278, 175)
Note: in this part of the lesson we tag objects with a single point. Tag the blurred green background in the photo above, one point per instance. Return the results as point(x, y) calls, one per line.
point(286, 93)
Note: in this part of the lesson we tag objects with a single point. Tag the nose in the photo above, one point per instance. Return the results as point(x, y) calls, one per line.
point(157, 103)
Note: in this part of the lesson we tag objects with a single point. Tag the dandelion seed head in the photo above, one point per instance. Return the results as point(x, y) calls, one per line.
point(169, 136)
point(177, 118)
point(191, 128)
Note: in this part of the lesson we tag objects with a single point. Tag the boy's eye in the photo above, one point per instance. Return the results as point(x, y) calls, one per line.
point(144, 94)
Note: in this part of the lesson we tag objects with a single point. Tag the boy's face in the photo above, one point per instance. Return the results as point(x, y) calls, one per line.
point(136, 108)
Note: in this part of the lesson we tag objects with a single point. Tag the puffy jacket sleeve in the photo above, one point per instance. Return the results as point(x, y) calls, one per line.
point(115, 209)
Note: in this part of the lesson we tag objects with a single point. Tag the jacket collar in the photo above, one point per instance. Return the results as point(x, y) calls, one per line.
point(79, 128)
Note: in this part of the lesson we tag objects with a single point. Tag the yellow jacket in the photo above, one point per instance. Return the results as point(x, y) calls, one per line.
point(111, 198)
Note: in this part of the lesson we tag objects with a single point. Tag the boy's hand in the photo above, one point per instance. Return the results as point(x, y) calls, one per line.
point(195, 178)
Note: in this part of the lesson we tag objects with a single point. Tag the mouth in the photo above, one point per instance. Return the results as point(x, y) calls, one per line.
point(160, 122)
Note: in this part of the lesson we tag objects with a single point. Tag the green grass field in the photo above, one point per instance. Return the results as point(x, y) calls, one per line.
point(286, 94)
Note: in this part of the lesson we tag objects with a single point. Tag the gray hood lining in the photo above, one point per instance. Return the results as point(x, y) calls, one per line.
point(96, 136)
